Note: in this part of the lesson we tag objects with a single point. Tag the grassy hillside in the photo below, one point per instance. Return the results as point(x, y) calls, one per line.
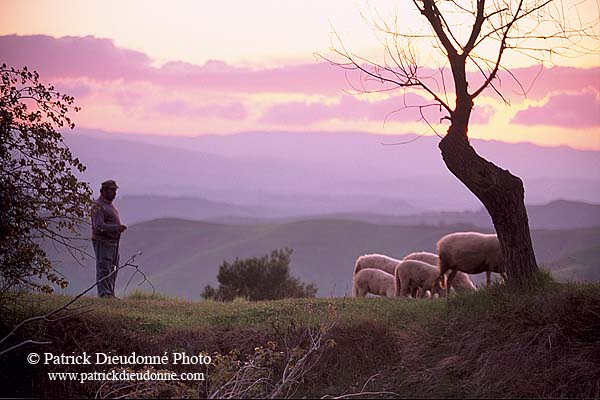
point(581, 264)
point(559, 214)
point(181, 257)
point(502, 342)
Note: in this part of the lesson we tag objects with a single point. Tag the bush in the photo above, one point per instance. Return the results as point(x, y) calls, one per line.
point(259, 278)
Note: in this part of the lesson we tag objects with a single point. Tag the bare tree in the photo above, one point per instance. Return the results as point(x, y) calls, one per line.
point(476, 35)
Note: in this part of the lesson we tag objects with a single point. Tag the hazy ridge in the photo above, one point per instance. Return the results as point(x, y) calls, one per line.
point(181, 257)
point(293, 174)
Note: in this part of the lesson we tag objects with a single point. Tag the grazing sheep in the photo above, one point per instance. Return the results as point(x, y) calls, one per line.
point(469, 252)
point(374, 281)
point(461, 281)
point(429, 258)
point(376, 261)
point(413, 276)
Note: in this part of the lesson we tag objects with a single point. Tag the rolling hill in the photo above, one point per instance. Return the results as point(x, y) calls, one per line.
point(305, 173)
point(180, 257)
point(559, 214)
point(583, 265)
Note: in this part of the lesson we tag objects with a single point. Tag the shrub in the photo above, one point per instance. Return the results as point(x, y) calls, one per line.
point(259, 278)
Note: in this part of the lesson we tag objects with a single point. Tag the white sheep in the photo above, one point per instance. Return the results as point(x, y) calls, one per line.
point(469, 252)
point(376, 261)
point(374, 281)
point(429, 258)
point(413, 277)
point(461, 281)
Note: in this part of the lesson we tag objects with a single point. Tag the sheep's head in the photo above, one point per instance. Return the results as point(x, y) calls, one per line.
point(439, 287)
point(440, 283)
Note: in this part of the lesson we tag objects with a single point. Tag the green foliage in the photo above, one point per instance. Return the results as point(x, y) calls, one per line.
point(259, 278)
point(40, 196)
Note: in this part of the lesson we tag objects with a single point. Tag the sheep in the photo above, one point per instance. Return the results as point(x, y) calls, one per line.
point(461, 281)
point(376, 261)
point(469, 252)
point(413, 276)
point(374, 281)
point(429, 258)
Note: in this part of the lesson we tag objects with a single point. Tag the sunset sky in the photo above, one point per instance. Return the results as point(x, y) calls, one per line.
point(192, 67)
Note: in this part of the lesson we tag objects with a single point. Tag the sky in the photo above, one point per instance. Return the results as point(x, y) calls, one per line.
point(196, 67)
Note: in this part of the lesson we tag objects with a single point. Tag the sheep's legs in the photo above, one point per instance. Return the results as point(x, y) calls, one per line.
point(405, 290)
point(488, 276)
point(449, 282)
point(504, 277)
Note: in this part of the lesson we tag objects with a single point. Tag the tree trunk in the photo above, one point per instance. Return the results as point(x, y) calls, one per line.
point(502, 194)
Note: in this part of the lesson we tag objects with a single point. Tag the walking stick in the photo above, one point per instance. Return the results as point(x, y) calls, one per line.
point(115, 267)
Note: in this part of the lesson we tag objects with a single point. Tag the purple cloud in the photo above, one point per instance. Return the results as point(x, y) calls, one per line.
point(399, 108)
point(99, 59)
point(564, 110)
point(231, 111)
point(73, 57)
point(74, 88)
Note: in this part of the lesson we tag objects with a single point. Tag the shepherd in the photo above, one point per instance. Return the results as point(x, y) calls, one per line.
point(106, 233)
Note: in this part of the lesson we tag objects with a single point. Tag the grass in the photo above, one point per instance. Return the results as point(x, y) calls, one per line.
point(139, 294)
point(500, 342)
point(171, 313)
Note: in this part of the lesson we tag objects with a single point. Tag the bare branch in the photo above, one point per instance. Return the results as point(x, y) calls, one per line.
point(501, 50)
point(479, 19)
point(405, 76)
point(48, 316)
point(432, 13)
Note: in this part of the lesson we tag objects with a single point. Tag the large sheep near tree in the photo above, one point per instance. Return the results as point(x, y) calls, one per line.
point(468, 252)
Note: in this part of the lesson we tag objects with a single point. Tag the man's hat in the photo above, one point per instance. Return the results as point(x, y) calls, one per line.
point(110, 184)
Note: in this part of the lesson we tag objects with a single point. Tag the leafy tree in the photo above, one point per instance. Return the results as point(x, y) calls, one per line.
point(259, 278)
point(40, 196)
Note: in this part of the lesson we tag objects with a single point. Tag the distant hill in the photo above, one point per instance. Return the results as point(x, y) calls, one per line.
point(258, 183)
point(181, 257)
point(563, 214)
point(135, 209)
point(140, 208)
point(306, 173)
point(560, 214)
point(580, 265)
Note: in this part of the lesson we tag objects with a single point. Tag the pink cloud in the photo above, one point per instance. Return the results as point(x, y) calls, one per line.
point(482, 114)
point(400, 108)
point(538, 82)
point(564, 110)
point(231, 111)
point(99, 59)
point(72, 57)
point(75, 88)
